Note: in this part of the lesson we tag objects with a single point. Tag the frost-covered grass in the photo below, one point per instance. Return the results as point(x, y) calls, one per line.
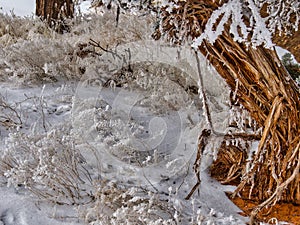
point(31, 53)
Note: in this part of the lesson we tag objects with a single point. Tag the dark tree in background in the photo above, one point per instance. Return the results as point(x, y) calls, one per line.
point(55, 12)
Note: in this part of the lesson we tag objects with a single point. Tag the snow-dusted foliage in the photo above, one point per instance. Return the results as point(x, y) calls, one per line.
point(10, 115)
point(282, 16)
point(235, 12)
point(246, 24)
point(116, 206)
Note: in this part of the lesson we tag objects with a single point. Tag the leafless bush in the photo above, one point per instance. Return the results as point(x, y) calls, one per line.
point(49, 165)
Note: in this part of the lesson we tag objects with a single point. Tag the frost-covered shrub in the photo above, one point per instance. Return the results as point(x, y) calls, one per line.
point(31, 53)
point(114, 205)
point(10, 115)
point(14, 29)
point(13, 26)
point(164, 87)
point(37, 61)
point(47, 164)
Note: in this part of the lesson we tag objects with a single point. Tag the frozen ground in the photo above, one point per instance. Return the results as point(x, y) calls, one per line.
point(20, 209)
point(161, 141)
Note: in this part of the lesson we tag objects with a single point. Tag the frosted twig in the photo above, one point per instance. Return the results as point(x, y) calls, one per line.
point(97, 44)
point(147, 178)
point(41, 101)
point(204, 98)
point(202, 142)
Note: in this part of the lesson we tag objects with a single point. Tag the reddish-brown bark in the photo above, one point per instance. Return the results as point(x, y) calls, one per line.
point(264, 88)
point(55, 11)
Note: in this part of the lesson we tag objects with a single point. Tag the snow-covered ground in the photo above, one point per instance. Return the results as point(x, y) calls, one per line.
point(17, 208)
point(166, 170)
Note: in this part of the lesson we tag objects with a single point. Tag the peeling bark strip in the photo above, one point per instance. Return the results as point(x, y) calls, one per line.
point(54, 10)
point(264, 88)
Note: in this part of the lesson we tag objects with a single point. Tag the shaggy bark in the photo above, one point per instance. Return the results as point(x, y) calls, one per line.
point(55, 12)
point(264, 88)
point(272, 98)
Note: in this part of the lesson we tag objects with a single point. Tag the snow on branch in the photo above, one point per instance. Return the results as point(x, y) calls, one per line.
point(252, 32)
point(283, 16)
point(252, 22)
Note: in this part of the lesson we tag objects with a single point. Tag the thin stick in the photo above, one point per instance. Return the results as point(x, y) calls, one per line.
point(204, 98)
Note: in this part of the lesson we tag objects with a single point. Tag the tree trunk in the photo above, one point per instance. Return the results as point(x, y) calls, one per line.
point(55, 12)
point(265, 89)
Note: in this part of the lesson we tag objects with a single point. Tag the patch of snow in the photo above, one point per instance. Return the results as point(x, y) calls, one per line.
point(20, 209)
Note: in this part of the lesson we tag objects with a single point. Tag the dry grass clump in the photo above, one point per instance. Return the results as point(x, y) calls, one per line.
point(49, 165)
point(10, 116)
point(116, 205)
point(31, 53)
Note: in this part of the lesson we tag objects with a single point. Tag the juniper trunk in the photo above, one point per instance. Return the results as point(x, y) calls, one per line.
point(264, 88)
point(55, 11)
